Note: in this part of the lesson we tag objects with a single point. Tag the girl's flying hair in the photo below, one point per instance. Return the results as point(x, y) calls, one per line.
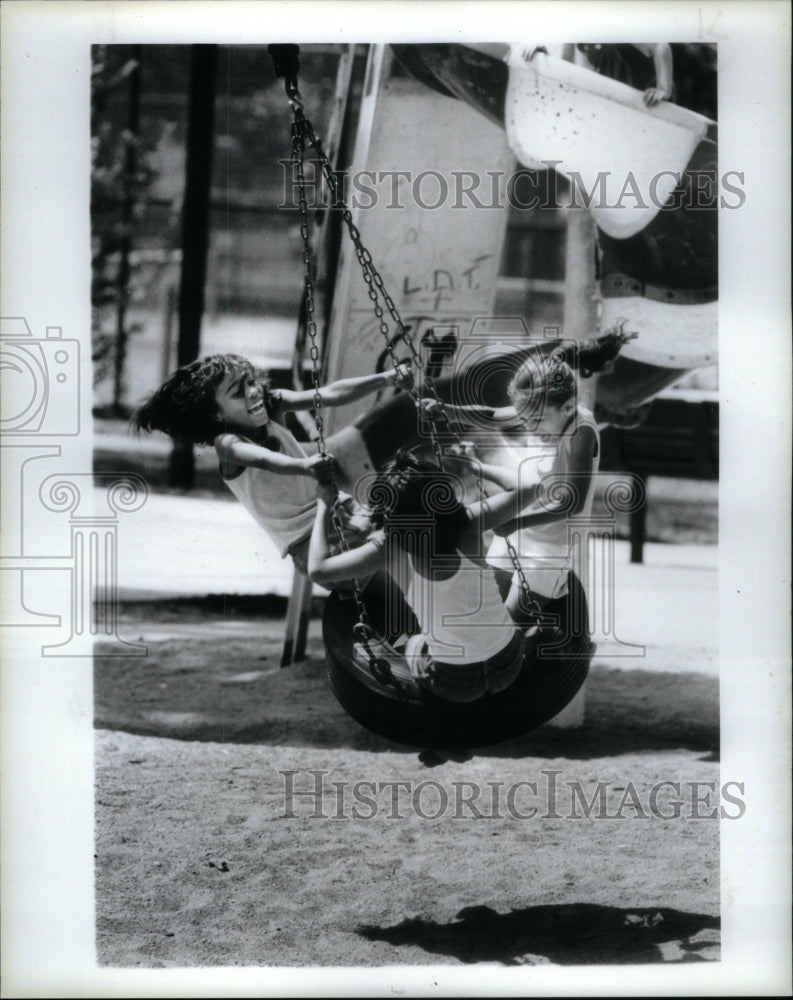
point(542, 380)
point(184, 406)
point(597, 355)
point(549, 379)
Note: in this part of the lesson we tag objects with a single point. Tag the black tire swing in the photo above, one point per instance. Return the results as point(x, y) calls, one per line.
point(544, 687)
point(367, 675)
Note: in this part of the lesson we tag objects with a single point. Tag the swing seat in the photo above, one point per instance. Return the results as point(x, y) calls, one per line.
point(545, 685)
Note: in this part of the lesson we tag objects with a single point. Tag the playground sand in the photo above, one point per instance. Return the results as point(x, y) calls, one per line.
point(208, 855)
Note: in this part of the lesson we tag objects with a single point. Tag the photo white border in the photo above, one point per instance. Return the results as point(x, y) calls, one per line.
point(47, 742)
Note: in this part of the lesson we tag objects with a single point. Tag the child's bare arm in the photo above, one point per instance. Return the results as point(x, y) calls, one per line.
point(324, 568)
point(468, 413)
point(561, 494)
point(346, 390)
point(661, 53)
point(503, 514)
point(503, 507)
point(234, 453)
point(503, 478)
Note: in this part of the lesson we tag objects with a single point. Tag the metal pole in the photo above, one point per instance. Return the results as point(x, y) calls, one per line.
point(580, 320)
point(195, 230)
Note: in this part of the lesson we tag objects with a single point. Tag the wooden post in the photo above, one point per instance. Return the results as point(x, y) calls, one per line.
point(298, 613)
point(638, 532)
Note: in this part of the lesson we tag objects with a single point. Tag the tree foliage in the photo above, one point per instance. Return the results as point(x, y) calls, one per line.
point(120, 175)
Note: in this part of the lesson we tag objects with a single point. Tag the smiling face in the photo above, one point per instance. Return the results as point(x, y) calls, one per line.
point(240, 400)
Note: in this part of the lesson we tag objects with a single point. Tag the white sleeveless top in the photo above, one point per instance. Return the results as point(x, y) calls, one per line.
point(550, 540)
point(463, 619)
point(285, 506)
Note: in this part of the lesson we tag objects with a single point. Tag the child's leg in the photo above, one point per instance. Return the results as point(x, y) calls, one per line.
point(520, 611)
point(548, 579)
point(546, 587)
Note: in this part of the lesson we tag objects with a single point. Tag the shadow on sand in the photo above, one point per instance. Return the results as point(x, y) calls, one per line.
point(232, 690)
point(566, 934)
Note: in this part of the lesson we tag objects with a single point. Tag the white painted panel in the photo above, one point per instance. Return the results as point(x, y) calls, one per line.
point(670, 335)
point(439, 264)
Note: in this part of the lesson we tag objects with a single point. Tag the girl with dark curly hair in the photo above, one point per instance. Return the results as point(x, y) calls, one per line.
point(225, 401)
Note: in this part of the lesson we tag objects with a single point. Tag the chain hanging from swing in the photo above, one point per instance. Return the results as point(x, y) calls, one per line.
point(363, 630)
point(303, 132)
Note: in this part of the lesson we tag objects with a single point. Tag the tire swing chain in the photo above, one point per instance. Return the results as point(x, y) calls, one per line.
point(303, 131)
point(286, 65)
point(301, 128)
point(531, 603)
point(375, 285)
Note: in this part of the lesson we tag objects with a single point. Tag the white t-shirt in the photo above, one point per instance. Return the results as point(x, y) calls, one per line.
point(285, 506)
point(544, 550)
point(463, 618)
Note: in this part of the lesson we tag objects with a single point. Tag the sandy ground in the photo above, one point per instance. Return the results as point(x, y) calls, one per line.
point(205, 858)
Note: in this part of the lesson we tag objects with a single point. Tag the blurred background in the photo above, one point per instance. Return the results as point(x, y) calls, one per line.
point(142, 97)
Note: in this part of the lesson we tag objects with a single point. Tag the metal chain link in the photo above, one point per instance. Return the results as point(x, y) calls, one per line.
point(303, 131)
point(298, 156)
point(377, 292)
point(531, 603)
